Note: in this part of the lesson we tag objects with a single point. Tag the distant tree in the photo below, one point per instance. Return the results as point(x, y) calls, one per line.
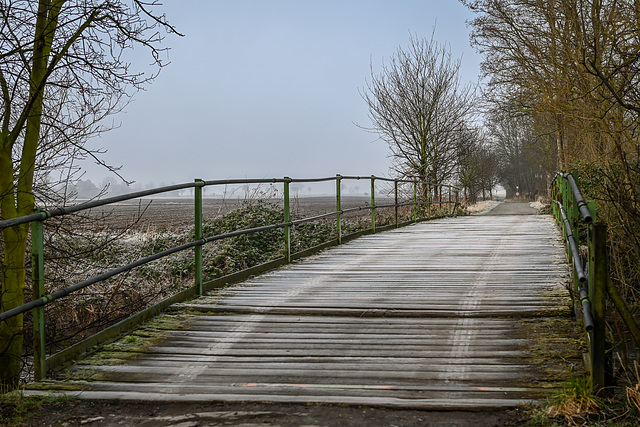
point(418, 105)
point(570, 68)
point(477, 166)
point(86, 189)
point(62, 71)
point(521, 154)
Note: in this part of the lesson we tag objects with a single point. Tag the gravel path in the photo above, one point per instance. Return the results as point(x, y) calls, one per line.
point(512, 208)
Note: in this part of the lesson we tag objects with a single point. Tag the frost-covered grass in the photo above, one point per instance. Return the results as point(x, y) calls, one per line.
point(481, 206)
point(75, 254)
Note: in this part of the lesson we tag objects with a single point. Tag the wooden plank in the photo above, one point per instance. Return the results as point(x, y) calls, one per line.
point(431, 316)
point(459, 402)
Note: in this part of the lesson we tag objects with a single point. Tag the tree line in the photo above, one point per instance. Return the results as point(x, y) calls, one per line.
point(565, 73)
point(435, 129)
point(560, 92)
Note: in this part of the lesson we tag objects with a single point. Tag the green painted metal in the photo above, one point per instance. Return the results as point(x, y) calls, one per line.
point(591, 205)
point(415, 201)
point(338, 209)
point(37, 256)
point(197, 197)
point(395, 194)
point(200, 287)
point(287, 219)
point(373, 204)
point(428, 200)
point(567, 200)
point(598, 276)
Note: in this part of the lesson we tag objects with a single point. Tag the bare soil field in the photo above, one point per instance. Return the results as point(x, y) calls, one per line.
point(170, 214)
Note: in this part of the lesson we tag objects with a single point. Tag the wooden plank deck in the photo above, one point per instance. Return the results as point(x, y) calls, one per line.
point(459, 313)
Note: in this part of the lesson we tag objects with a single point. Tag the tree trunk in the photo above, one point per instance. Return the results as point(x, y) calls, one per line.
point(13, 278)
point(18, 203)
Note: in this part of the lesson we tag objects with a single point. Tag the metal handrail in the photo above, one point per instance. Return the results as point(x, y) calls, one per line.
point(577, 195)
point(43, 215)
point(571, 209)
point(142, 261)
point(577, 265)
point(39, 217)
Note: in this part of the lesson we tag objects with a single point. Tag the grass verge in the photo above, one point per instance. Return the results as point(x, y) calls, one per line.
point(575, 405)
point(16, 409)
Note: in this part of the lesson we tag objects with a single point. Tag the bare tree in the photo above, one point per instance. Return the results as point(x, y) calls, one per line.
point(418, 105)
point(572, 69)
point(477, 166)
point(63, 70)
point(521, 154)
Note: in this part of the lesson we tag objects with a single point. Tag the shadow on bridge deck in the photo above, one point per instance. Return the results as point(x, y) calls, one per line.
point(460, 313)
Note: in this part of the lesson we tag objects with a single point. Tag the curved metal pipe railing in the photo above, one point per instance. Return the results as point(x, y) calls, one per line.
point(574, 213)
point(577, 195)
point(579, 270)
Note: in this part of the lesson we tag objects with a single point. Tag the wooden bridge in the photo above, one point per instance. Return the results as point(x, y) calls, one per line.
point(459, 313)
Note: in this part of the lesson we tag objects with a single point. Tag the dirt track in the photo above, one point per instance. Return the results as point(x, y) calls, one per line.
point(260, 414)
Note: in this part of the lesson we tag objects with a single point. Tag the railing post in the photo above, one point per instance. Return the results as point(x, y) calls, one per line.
point(415, 200)
point(439, 200)
point(373, 204)
point(287, 219)
point(598, 276)
point(567, 202)
point(428, 201)
point(449, 207)
point(395, 192)
point(39, 346)
point(554, 196)
point(338, 208)
point(197, 192)
point(455, 207)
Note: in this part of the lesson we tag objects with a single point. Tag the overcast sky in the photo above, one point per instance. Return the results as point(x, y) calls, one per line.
point(269, 88)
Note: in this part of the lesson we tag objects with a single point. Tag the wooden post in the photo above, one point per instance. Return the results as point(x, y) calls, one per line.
point(598, 275)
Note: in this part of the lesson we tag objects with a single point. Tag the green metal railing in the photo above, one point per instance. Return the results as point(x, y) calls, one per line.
point(41, 299)
point(573, 213)
point(593, 283)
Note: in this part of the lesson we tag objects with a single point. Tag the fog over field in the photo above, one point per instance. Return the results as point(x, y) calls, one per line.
point(263, 89)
